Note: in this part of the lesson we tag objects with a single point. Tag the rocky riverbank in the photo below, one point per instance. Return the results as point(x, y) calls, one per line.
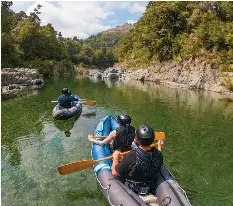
point(193, 74)
point(17, 81)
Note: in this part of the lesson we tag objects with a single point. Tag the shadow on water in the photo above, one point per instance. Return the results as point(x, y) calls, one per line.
point(66, 125)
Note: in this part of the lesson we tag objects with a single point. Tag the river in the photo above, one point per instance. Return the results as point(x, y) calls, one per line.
point(198, 148)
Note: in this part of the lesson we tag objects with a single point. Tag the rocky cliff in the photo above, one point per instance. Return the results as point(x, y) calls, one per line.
point(16, 81)
point(193, 73)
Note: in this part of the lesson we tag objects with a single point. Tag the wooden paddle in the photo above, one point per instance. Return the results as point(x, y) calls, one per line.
point(84, 164)
point(87, 102)
point(80, 99)
point(81, 165)
point(158, 136)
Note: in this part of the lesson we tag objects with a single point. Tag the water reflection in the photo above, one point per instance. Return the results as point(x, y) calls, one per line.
point(198, 147)
point(188, 99)
point(113, 83)
point(110, 83)
point(66, 125)
point(36, 179)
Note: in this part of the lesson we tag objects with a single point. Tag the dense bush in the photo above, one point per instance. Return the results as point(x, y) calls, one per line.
point(176, 30)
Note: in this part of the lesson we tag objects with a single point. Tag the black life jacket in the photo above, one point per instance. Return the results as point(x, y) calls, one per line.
point(64, 101)
point(148, 163)
point(124, 138)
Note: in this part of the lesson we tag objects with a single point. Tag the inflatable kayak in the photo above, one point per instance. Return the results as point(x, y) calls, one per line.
point(168, 192)
point(60, 112)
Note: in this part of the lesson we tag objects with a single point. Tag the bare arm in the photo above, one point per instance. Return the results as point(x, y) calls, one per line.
point(115, 162)
point(110, 137)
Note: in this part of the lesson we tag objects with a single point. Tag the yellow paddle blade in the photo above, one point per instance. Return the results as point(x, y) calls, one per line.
point(89, 102)
point(75, 166)
point(159, 136)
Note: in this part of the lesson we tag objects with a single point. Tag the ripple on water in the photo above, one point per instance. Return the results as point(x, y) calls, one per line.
point(197, 148)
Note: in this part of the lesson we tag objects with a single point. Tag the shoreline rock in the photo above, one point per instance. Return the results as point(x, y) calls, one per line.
point(193, 74)
point(18, 81)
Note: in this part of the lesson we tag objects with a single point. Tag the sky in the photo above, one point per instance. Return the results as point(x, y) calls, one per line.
point(84, 18)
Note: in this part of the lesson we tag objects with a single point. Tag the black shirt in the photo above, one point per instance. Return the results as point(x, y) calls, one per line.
point(125, 167)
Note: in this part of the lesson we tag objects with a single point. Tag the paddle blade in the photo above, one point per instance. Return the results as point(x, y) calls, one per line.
point(89, 102)
point(88, 115)
point(75, 166)
point(159, 136)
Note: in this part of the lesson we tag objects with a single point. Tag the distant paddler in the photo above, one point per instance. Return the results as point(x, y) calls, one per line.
point(65, 100)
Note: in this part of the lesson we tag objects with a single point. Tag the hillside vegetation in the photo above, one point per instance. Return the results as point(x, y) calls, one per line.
point(110, 37)
point(179, 30)
point(25, 43)
point(166, 31)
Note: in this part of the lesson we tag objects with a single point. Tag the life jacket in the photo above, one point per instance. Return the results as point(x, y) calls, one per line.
point(75, 97)
point(148, 163)
point(124, 138)
point(64, 101)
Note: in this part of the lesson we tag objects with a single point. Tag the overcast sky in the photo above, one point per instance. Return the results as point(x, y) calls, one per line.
point(84, 18)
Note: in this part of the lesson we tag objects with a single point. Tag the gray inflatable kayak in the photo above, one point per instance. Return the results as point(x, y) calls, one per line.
point(167, 193)
point(61, 113)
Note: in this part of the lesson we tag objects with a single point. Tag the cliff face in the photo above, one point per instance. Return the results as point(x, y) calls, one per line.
point(193, 73)
point(16, 81)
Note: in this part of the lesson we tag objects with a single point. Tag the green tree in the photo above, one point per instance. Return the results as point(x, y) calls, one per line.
point(171, 30)
point(7, 16)
point(10, 53)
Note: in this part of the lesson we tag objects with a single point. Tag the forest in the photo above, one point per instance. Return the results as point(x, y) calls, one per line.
point(179, 30)
point(25, 43)
point(166, 31)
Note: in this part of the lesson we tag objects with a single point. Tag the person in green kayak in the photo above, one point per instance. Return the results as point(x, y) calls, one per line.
point(120, 139)
point(138, 168)
point(65, 100)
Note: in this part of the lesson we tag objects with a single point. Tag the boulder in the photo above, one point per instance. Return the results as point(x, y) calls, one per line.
point(15, 80)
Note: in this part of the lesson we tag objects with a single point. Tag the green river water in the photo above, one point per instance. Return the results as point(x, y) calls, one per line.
point(198, 148)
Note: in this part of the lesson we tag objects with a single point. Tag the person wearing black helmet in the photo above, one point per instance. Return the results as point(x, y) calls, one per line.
point(65, 100)
point(75, 97)
point(138, 168)
point(120, 139)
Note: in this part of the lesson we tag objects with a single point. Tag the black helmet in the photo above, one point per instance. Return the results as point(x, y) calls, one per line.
point(124, 119)
point(69, 92)
point(65, 91)
point(145, 135)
